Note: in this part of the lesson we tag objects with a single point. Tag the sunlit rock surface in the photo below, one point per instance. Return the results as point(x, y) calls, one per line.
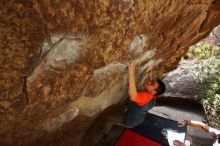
point(64, 62)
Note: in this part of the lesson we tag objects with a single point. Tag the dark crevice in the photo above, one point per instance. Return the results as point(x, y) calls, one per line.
point(40, 58)
point(48, 39)
point(25, 91)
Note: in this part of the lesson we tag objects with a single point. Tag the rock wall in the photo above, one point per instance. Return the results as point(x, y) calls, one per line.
point(64, 62)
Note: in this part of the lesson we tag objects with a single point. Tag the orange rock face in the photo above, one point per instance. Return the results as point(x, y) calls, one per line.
point(65, 61)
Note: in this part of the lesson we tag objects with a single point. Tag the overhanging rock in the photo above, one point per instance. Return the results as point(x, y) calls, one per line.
point(66, 61)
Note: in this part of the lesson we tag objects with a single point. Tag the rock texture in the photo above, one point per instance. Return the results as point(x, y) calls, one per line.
point(181, 82)
point(214, 37)
point(64, 62)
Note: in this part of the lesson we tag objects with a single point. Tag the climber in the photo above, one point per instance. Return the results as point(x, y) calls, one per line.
point(139, 103)
point(215, 134)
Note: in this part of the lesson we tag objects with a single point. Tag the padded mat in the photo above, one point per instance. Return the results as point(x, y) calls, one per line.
point(130, 138)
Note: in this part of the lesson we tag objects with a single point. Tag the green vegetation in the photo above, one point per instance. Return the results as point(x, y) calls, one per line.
point(208, 79)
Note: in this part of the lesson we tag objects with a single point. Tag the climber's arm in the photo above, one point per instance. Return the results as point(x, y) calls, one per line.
point(132, 90)
point(194, 124)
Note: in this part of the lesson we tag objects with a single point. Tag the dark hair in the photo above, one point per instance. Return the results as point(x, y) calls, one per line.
point(161, 87)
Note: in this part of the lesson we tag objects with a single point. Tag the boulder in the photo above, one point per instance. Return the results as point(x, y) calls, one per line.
point(64, 62)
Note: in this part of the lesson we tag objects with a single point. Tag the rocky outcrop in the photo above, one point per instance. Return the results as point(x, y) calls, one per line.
point(181, 82)
point(64, 62)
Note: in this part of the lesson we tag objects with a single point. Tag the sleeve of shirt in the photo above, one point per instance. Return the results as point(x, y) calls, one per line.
point(143, 98)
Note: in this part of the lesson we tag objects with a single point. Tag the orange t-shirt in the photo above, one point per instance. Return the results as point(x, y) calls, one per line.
point(143, 98)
